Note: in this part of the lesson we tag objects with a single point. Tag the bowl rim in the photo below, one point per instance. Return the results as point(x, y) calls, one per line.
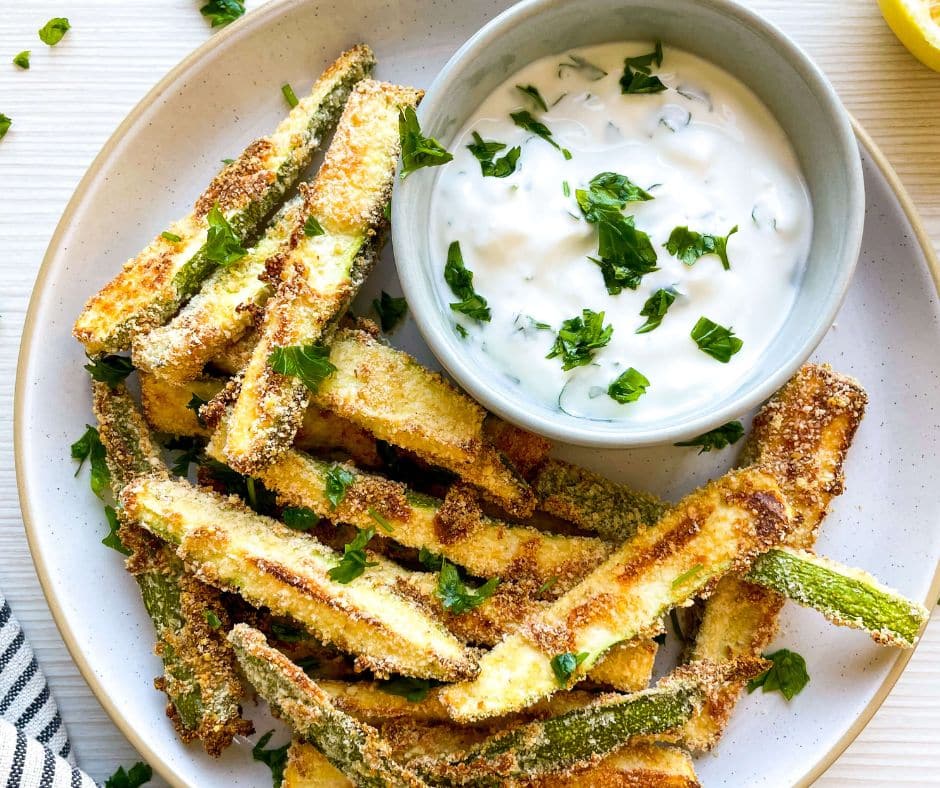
point(518, 411)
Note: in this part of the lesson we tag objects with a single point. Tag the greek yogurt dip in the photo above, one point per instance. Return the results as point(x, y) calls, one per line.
point(632, 180)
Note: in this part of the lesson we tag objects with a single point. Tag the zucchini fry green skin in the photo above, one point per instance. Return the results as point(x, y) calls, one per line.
point(847, 597)
point(223, 310)
point(593, 502)
point(353, 747)
point(152, 286)
point(231, 548)
point(199, 676)
point(320, 275)
point(582, 735)
point(718, 529)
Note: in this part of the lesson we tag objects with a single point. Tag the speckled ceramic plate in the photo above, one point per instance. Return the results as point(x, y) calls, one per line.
point(225, 94)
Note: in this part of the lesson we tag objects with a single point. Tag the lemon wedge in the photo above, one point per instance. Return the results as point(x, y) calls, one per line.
point(916, 23)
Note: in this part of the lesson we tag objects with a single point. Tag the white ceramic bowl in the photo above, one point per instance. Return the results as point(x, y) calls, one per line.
point(723, 32)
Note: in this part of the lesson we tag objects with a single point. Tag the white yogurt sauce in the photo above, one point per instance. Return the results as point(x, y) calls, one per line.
point(712, 156)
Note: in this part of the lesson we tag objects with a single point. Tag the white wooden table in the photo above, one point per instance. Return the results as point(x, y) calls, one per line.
point(74, 96)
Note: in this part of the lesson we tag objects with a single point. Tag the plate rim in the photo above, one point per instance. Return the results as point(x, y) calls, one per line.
point(258, 18)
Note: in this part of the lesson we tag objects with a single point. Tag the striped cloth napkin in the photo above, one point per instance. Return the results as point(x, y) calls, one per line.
point(34, 747)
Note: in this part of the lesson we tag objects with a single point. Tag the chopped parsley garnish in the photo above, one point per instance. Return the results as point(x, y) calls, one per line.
point(354, 561)
point(582, 66)
point(460, 279)
point(413, 690)
point(629, 387)
point(190, 451)
point(608, 191)
point(276, 757)
point(299, 518)
point(689, 245)
point(310, 363)
point(485, 153)
point(22, 59)
point(338, 479)
point(139, 774)
point(579, 338)
point(524, 120)
point(390, 310)
point(221, 12)
point(113, 539)
point(212, 619)
point(171, 237)
point(289, 96)
point(384, 524)
point(89, 447)
point(637, 76)
point(194, 404)
point(655, 308)
point(418, 151)
point(533, 93)
point(719, 342)
point(688, 575)
point(455, 595)
point(288, 633)
point(253, 492)
point(109, 369)
point(461, 331)
point(222, 245)
point(52, 32)
point(312, 227)
point(5, 122)
point(546, 586)
point(429, 560)
point(718, 438)
point(226, 162)
point(565, 188)
point(788, 674)
point(564, 665)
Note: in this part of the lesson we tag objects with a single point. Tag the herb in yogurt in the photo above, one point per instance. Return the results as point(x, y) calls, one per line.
point(608, 191)
point(485, 152)
point(523, 119)
point(717, 341)
point(582, 66)
point(628, 387)
point(533, 93)
point(579, 338)
point(460, 279)
point(718, 438)
point(689, 245)
point(655, 308)
point(418, 151)
point(637, 73)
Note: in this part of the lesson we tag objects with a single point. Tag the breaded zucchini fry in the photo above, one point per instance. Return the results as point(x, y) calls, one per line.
point(232, 548)
point(199, 677)
point(152, 286)
point(167, 405)
point(525, 450)
point(322, 271)
point(352, 747)
point(718, 529)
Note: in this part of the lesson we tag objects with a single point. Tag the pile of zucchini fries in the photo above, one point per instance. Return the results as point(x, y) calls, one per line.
point(413, 585)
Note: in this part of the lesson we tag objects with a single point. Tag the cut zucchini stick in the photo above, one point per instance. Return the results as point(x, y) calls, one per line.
point(583, 735)
point(594, 503)
point(352, 747)
point(454, 528)
point(396, 399)
point(847, 597)
point(199, 676)
point(152, 286)
point(718, 529)
point(223, 310)
point(321, 273)
point(802, 436)
point(525, 450)
point(307, 767)
point(232, 548)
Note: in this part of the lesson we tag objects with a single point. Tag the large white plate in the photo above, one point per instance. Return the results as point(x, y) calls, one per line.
point(227, 93)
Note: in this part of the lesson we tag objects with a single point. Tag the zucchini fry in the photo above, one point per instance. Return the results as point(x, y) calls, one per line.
point(847, 597)
point(152, 286)
point(232, 548)
point(525, 450)
point(352, 747)
point(583, 735)
point(802, 436)
point(321, 273)
point(718, 529)
point(199, 677)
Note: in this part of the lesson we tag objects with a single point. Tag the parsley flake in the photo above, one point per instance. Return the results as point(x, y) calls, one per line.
point(608, 191)
point(354, 561)
point(22, 59)
point(583, 67)
point(313, 228)
point(310, 363)
point(788, 674)
point(89, 447)
point(564, 665)
point(579, 338)
point(689, 245)
point(655, 308)
point(455, 595)
point(288, 633)
point(429, 560)
point(171, 237)
point(719, 342)
point(384, 524)
point(637, 73)
point(629, 387)
point(52, 32)
point(413, 690)
point(221, 12)
point(139, 774)
point(460, 279)
point(5, 122)
point(299, 518)
point(485, 153)
point(533, 93)
point(390, 310)
point(190, 452)
point(718, 438)
point(194, 404)
point(687, 575)
point(275, 758)
point(338, 478)
point(222, 245)
point(418, 151)
point(212, 619)
point(113, 539)
point(109, 369)
point(289, 96)
point(524, 120)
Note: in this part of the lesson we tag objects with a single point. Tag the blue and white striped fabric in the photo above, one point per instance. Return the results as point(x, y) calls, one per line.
point(34, 747)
